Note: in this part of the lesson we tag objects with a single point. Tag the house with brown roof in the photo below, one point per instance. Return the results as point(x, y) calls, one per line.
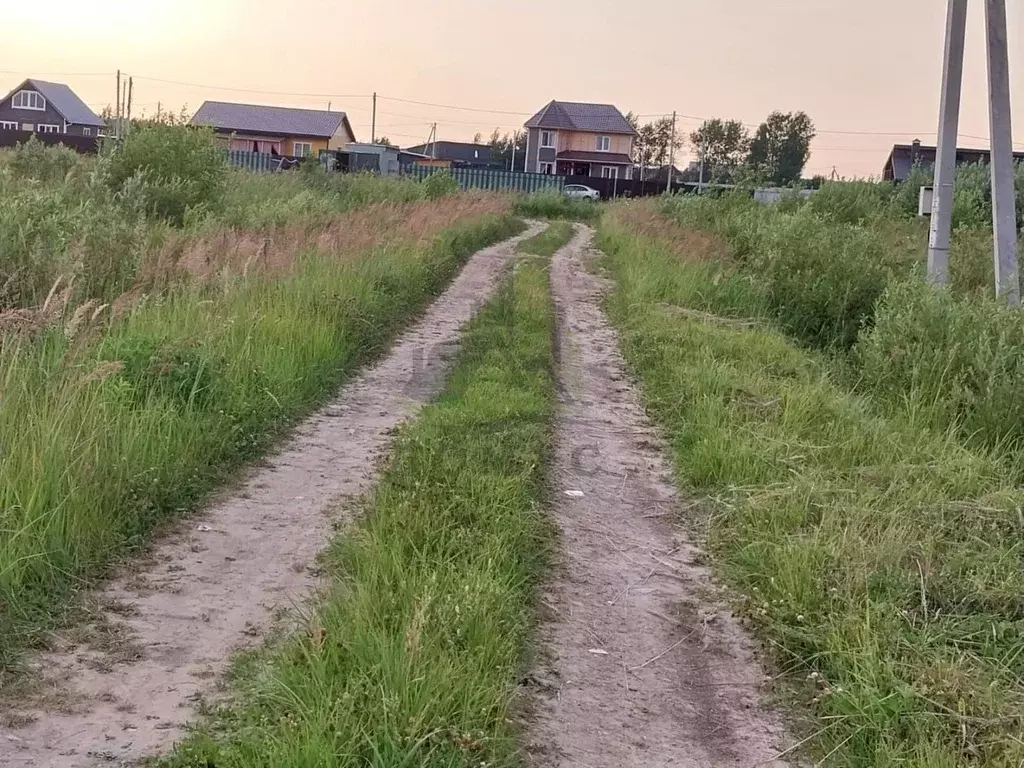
point(275, 130)
point(579, 139)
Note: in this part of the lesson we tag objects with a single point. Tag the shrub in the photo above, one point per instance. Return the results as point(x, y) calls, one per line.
point(853, 202)
point(440, 184)
point(34, 160)
point(954, 361)
point(180, 168)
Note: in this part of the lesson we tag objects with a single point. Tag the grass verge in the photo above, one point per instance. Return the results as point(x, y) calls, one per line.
point(412, 657)
point(550, 240)
point(880, 561)
point(555, 205)
point(119, 428)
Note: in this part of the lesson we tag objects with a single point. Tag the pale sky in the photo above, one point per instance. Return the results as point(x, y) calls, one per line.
point(852, 65)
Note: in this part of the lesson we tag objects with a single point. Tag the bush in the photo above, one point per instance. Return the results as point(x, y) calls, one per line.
point(180, 168)
point(34, 160)
point(953, 361)
point(440, 184)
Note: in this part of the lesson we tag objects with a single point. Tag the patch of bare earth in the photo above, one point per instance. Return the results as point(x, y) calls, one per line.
point(123, 686)
point(641, 668)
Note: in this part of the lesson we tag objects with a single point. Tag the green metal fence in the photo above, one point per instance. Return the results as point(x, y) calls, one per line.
point(259, 161)
point(486, 178)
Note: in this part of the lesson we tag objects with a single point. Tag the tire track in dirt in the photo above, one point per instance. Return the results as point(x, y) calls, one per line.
point(638, 669)
point(171, 625)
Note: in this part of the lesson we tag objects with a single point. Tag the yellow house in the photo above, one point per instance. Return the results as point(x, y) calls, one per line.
point(275, 130)
point(580, 139)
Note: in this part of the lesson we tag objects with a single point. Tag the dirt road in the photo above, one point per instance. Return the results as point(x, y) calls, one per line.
point(639, 671)
point(166, 630)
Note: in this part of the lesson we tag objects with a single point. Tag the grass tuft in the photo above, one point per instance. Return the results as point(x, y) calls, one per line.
point(550, 240)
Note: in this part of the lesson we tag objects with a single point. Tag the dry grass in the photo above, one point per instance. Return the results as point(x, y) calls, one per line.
point(646, 218)
point(276, 251)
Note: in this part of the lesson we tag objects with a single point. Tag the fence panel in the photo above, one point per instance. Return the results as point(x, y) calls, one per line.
point(490, 178)
point(261, 162)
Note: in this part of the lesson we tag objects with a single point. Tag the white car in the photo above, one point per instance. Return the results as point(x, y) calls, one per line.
point(580, 192)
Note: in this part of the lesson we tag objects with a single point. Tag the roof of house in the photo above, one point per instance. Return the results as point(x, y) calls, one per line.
point(578, 116)
point(455, 150)
point(608, 158)
point(62, 99)
point(280, 121)
point(901, 159)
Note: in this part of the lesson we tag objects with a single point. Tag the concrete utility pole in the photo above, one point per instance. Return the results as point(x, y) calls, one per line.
point(1004, 212)
point(117, 106)
point(373, 121)
point(671, 153)
point(945, 155)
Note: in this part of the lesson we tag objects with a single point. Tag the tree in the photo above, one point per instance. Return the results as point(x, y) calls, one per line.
point(501, 149)
point(478, 137)
point(386, 142)
point(653, 144)
point(782, 146)
point(723, 144)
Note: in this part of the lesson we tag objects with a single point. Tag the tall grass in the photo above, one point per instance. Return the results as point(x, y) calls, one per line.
point(113, 420)
point(878, 556)
point(555, 205)
point(411, 658)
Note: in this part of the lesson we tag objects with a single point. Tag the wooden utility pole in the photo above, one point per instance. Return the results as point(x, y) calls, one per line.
point(1004, 211)
point(117, 107)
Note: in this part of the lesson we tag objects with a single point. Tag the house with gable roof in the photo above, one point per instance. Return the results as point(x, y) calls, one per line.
point(43, 107)
point(275, 130)
point(580, 139)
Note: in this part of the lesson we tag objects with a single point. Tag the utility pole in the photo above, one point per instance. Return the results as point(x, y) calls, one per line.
point(515, 140)
point(671, 153)
point(129, 108)
point(117, 107)
point(700, 174)
point(945, 154)
point(1004, 213)
point(373, 121)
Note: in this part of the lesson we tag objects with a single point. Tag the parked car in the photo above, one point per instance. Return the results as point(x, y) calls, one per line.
point(580, 192)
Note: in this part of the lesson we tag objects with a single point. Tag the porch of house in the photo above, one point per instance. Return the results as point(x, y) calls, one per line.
point(608, 166)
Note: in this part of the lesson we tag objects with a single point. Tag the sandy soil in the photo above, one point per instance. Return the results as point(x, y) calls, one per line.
point(640, 669)
point(165, 631)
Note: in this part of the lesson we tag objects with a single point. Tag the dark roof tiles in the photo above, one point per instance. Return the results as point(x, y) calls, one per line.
point(254, 118)
point(578, 116)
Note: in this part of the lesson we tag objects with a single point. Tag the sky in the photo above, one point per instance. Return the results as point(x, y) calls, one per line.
point(867, 72)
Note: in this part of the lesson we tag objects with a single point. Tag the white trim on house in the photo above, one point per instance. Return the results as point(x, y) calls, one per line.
point(8, 125)
point(549, 164)
point(36, 101)
point(306, 148)
point(609, 171)
point(604, 143)
point(552, 137)
point(86, 130)
point(47, 128)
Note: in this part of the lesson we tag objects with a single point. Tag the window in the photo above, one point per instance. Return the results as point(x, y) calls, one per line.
point(547, 168)
point(604, 143)
point(7, 126)
point(46, 128)
point(303, 148)
point(87, 131)
point(609, 172)
point(547, 139)
point(28, 100)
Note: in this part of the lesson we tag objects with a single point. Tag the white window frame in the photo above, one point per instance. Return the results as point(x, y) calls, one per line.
point(552, 139)
point(34, 97)
point(8, 125)
point(609, 171)
point(550, 168)
point(307, 144)
point(604, 143)
point(48, 128)
point(86, 131)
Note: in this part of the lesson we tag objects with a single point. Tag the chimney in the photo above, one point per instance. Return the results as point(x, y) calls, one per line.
point(915, 152)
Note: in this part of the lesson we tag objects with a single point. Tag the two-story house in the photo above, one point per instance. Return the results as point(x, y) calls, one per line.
point(275, 130)
point(578, 139)
point(43, 107)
